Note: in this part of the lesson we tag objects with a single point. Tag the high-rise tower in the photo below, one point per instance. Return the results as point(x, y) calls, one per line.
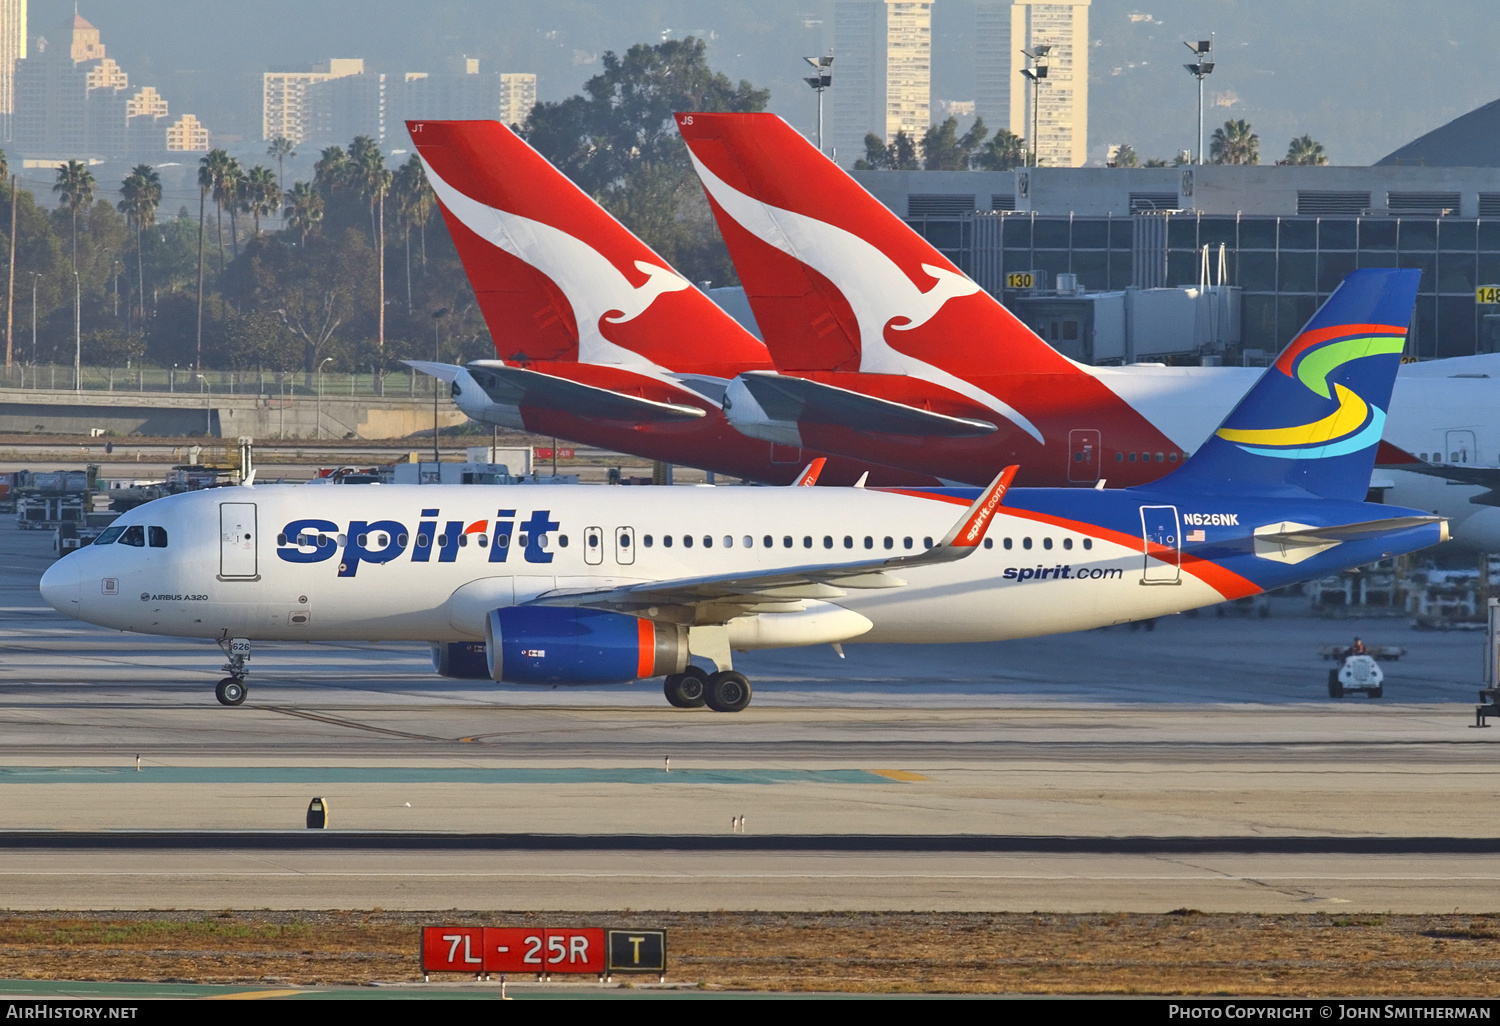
point(883, 78)
point(12, 49)
point(1062, 115)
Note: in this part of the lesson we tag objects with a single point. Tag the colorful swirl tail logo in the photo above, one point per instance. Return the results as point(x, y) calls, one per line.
point(1312, 360)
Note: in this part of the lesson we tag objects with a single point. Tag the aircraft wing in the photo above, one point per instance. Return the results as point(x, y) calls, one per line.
point(799, 400)
point(721, 597)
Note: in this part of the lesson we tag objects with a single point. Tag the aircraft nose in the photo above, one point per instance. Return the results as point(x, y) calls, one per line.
point(60, 586)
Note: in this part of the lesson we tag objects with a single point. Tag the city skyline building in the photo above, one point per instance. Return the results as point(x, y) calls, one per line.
point(884, 81)
point(74, 102)
point(12, 49)
point(517, 97)
point(1062, 100)
point(284, 96)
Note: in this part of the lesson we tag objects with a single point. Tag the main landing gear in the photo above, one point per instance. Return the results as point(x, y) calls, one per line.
point(724, 691)
point(231, 690)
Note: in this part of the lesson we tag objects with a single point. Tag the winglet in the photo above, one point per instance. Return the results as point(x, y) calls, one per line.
point(809, 475)
point(970, 531)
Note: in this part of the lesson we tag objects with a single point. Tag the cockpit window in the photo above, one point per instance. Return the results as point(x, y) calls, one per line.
point(135, 535)
point(158, 536)
point(109, 536)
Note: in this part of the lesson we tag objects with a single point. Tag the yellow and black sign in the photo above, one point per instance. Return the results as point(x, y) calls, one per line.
point(1487, 295)
point(637, 951)
point(1026, 280)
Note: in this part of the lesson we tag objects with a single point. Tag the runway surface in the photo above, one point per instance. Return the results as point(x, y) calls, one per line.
point(1198, 765)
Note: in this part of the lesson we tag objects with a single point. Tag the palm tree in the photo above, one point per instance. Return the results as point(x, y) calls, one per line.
point(413, 197)
point(232, 187)
point(1235, 144)
point(330, 171)
point(369, 175)
point(1005, 151)
point(207, 175)
point(1306, 150)
point(75, 186)
point(10, 302)
point(211, 171)
point(262, 194)
point(142, 195)
point(304, 209)
point(281, 148)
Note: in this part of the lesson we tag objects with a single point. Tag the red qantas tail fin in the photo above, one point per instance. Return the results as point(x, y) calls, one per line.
point(836, 280)
point(558, 278)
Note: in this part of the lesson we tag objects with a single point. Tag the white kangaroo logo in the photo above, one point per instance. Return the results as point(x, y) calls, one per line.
point(595, 287)
point(879, 292)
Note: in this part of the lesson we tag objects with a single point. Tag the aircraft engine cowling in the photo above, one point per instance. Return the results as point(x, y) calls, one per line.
point(553, 645)
point(463, 659)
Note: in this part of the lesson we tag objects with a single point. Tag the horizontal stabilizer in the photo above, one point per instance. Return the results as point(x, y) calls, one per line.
point(798, 400)
point(1304, 535)
point(517, 386)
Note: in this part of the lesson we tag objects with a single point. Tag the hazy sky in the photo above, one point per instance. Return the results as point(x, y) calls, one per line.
point(1362, 76)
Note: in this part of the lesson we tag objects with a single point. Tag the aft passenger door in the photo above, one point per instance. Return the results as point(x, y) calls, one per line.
point(1162, 537)
point(1461, 447)
point(1083, 456)
point(237, 541)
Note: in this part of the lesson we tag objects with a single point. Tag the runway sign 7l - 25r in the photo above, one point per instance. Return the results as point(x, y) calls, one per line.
point(471, 949)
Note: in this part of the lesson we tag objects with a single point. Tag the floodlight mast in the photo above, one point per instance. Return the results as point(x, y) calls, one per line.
point(1204, 51)
point(823, 79)
point(1034, 75)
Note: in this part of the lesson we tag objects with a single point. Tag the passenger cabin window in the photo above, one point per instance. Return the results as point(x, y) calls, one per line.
point(646, 541)
point(708, 541)
point(989, 543)
point(848, 542)
point(1088, 543)
point(828, 541)
point(1008, 543)
point(158, 536)
point(687, 541)
point(926, 543)
point(786, 542)
point(1046, 543)
point(111, 533)
point(666, 541)
point(750, 542)
point(1068, 543)
point(768, 541)
point(135, 535)
point(1025, 543)
point(807, 541)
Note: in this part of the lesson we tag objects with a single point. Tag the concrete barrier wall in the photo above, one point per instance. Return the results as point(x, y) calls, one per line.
point(43, 411)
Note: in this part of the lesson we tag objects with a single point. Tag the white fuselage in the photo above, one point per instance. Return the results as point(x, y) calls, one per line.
point(229, 568)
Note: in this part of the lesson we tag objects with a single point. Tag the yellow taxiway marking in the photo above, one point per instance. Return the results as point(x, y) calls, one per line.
point(255, 995)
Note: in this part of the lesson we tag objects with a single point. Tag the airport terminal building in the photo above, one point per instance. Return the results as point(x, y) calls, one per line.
point(1287, 234)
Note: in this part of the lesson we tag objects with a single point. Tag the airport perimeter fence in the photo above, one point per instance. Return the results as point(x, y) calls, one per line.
point(403, 384)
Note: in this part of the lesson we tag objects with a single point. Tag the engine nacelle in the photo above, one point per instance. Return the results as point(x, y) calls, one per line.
point(553, 645)
point(463, 659)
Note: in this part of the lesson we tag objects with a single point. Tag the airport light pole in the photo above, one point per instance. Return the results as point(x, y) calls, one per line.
point(1034, 75)
point(319, 408)
point(1201, 69)
point(437, 316)
point(207, 417)
point(77, 333)
point(35, 277)
point(821, 80)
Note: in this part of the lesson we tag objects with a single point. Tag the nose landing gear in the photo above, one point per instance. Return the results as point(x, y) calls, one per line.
point(231, 690)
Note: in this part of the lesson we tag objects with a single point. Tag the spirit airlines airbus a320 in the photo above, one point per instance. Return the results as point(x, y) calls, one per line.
point(585, 584)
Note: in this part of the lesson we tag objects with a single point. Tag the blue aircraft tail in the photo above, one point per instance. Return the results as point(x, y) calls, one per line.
point(1313, 420)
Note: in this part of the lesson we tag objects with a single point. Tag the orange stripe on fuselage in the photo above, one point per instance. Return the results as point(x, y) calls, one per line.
point(1226, 582)
point(1308, 339)
point(646, 647)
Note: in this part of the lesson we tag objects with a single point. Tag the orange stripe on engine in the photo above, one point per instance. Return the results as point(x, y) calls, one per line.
point(646, 646)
